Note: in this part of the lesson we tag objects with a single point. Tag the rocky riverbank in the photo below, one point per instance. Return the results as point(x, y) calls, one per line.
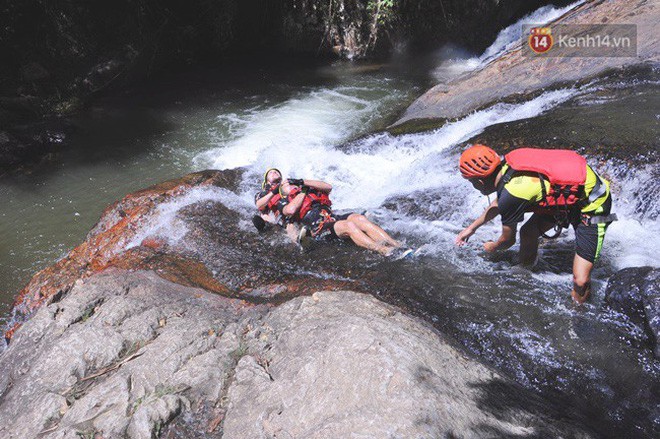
point(167, 320)
point(134, 334)
point(129, 354)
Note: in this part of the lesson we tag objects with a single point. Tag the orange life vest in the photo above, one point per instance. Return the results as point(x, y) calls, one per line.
point(565, 170)
point(272, 203)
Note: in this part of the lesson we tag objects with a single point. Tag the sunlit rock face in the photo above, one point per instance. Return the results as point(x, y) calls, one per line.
point(130, 354)
point(513, 74)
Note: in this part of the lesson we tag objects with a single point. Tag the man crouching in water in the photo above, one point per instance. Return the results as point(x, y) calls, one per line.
point(308, 203)
point(558, 186)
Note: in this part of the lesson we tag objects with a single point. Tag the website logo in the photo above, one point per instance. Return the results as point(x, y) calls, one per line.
point(581, 40)
point(540, 39)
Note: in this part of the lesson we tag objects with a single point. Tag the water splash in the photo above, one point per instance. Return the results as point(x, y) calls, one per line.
point(165, 222)
point(455, 62)
point(312, 119)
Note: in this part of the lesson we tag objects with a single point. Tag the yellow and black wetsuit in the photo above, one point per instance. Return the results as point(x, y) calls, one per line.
point(523, 193)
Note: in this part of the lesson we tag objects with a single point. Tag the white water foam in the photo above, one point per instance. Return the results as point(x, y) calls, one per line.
point(634, 239)
point(507, 38)
point(311, 120)
point(165, 223)
point(383, 165)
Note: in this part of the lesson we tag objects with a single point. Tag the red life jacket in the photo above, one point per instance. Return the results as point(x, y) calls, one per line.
point(565, 170)
point(312, 198)
point(272, 203)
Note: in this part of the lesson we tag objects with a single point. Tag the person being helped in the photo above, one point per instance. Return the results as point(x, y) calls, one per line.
point(270, 203)
point(309, 204)
point(558, 186)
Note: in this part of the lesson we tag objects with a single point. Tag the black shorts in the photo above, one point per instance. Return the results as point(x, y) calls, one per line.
point(321, 223)
point(589, 237)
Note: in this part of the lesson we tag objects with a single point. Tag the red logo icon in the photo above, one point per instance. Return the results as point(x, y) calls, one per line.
point(540, 39)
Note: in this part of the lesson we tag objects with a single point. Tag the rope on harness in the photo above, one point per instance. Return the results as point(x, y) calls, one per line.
point(557, 228)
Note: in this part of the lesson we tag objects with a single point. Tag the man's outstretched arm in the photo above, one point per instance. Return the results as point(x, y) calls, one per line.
point(491, 212)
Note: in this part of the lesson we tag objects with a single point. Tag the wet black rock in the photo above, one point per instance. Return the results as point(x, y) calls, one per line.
point(635, 292)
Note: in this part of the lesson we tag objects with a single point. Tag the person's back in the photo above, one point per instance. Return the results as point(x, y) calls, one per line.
point(523, 190)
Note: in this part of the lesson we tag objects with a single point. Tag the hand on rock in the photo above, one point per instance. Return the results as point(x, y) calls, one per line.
point(463, 237)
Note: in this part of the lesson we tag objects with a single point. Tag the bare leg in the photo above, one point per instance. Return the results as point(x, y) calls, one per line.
point(529, 237)
point(348, 229)
point(372, 230)
point(581, 279)
point(292, 231)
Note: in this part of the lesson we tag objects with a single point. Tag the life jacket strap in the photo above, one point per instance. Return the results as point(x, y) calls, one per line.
point(506, 177)
point(544, 192)
point(598, 191)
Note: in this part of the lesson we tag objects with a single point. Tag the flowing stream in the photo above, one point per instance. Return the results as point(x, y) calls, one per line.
point(325, 122)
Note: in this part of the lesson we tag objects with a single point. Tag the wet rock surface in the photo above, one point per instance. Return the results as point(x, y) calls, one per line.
point(635, 292)
point(129, 354)
point(195, 232)
point(613, 119)
point(514, 75)
point(208, 256)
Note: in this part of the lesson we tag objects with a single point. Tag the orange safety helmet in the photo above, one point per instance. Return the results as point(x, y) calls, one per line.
point(478, 161)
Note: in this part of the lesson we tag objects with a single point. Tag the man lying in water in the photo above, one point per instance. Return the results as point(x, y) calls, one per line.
point(307, 203)
point(270, 203)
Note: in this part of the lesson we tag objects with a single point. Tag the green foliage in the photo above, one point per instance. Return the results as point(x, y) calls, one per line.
point(383, 10)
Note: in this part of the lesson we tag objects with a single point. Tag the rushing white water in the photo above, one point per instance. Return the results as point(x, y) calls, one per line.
point(382, 168)
point(382, 164)
point(165, 223)
point(313, 119)
point(455, 62)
